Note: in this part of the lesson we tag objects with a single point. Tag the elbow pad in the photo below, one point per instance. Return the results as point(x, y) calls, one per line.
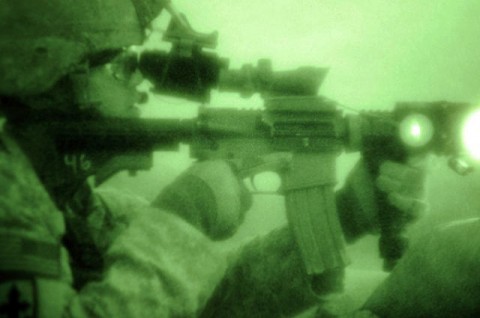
point(209, 196)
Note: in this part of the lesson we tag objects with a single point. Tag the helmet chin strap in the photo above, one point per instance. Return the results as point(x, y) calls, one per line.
point(80, 81)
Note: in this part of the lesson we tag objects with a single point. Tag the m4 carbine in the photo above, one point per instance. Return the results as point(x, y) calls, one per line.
point(299, 137)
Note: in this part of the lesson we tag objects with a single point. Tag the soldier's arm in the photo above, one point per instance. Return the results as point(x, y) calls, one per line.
point(210, 196)
point(157, 266)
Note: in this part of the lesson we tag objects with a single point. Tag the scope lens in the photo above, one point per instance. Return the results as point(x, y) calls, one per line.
point(471, 135)
point(416, 130)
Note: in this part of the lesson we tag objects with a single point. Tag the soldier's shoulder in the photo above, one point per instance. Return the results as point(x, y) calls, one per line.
point(25, 204)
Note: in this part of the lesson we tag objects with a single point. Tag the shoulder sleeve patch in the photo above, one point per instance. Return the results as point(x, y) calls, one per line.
point(18, 298)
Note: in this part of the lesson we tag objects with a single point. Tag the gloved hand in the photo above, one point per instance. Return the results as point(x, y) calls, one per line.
point(210, 196)
point(405, 186)
point(358, 204)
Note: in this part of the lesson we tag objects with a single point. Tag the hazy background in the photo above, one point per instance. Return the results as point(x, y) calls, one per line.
point(379, 52)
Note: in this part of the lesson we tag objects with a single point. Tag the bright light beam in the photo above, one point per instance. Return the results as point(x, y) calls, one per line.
point(471, 135)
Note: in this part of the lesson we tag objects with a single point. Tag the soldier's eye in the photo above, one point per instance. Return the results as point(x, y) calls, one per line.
point(124, 67)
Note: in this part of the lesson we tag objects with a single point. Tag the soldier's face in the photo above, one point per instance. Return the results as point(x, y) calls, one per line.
point(115, 90)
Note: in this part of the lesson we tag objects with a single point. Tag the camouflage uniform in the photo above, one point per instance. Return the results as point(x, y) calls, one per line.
point(125, 259)
point(172, 277)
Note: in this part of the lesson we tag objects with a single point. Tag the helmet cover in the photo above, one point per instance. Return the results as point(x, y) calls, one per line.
point(43, 40)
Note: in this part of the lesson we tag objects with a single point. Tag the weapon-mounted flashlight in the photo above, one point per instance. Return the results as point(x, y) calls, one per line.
point(416, 130)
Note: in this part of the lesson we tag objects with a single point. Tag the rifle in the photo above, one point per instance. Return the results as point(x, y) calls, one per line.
point(297, 136)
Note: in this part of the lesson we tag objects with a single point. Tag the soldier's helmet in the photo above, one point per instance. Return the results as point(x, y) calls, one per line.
point(43, 40)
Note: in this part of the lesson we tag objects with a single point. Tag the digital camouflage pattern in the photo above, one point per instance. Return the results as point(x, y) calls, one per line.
point(172, 277)
point(24, 204)
point(209, 196)
point(43, 40)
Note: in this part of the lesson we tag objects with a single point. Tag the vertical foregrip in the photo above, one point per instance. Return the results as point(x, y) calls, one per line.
point(381, 143)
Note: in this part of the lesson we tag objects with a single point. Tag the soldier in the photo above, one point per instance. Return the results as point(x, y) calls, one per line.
point(69, 251)
point(66, 250)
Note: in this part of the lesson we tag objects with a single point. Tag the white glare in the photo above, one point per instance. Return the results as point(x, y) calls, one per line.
point(416, 130)
point(471, 135)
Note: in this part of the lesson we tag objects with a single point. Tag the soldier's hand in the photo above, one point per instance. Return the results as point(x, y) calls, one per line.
point(358, 204)
point(405, 186)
